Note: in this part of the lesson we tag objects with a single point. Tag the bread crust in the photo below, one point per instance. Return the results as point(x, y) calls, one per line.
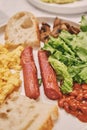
point(48, 124)
point(15, 37)
point(32, 115)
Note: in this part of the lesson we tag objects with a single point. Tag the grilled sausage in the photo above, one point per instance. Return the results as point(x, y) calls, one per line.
point(30, 74)
point(50, 84)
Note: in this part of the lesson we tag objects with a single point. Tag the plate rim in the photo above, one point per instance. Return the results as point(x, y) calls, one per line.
point(60, 9)
point(69, 116)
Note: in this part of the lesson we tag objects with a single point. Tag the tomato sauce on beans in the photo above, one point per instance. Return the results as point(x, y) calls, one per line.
point(75, 102)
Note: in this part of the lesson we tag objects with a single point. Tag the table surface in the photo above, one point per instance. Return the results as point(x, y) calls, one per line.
point(10, 7)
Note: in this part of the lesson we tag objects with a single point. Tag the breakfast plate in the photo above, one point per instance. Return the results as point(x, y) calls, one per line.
point(65, 121)
point(79, 6)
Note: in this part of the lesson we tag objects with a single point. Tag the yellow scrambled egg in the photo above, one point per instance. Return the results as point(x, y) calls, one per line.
point(9, 71)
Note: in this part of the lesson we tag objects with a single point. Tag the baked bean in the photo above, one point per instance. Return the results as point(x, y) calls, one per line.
point(73, 93)
point(84, 86)
point(84, 92)
point(72, 97)
point(84, 101)
point(85, 96)
point(80, 91)
point(66, 107)
point(79, 97)
point(73, 105)
point(74, 113)
point(76, 102)
point(76, 86)
point(84, 109)
point(61, 102)
point(82, 117)
point(67, 99)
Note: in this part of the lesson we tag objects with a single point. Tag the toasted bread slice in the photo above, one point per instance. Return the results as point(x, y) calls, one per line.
point(21, 113)
point(22, 28)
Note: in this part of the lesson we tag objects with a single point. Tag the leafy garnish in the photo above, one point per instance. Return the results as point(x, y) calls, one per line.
point(68, 56)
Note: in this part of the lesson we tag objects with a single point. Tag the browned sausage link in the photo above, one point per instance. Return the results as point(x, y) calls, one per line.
point(51, 88)
point(29, 73)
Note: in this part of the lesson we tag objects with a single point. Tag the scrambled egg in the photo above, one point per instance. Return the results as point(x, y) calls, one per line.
point(9, 71)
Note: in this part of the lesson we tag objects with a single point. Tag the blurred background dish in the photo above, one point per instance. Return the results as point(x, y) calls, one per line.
point(76, 7)
point(59, 1)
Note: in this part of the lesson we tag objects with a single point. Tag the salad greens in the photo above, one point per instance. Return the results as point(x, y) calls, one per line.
point(61, 70)
point(83, 24)
point(68, 56)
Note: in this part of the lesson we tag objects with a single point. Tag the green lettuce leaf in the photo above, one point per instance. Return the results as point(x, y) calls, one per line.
point(83, 23)
point(61, 70)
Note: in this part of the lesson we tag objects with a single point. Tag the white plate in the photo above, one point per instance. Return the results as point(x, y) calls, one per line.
point(3, 18)
point(65, 121)
point(79, 6)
